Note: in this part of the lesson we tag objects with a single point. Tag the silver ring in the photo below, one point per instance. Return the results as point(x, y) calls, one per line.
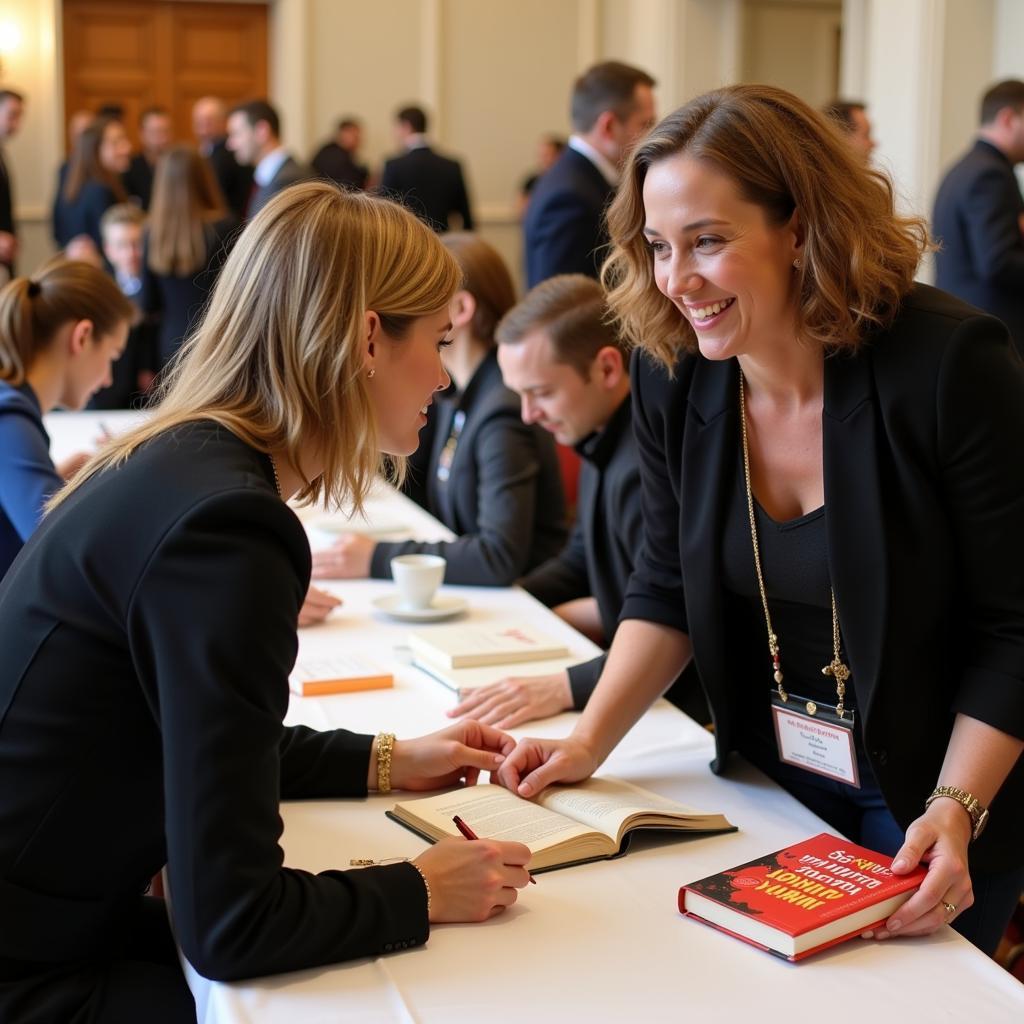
point(949, 907)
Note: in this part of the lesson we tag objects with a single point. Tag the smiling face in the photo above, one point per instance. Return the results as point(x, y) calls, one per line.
point(718, 259)
point(407, 373)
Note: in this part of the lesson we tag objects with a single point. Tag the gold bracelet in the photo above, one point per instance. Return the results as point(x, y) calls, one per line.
point(385, 745)
point(971, 804)
point(426, 884)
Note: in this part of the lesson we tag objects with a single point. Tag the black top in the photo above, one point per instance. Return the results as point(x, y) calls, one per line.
point(335, 162)
point(235, 180)
point(430, 185)
point(923, 484)
point(565, 230)
point(83, 215)
point(602, 547)
point(178, 300)
point(147, 636)
point(501, 491)
point(6, 204)
point(977, 220)
point(138, 180)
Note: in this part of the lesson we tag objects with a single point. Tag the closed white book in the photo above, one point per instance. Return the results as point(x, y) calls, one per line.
point(464, 680)
point(465, 646)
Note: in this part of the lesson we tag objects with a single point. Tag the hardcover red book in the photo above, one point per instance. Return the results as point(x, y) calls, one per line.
point(800, 900)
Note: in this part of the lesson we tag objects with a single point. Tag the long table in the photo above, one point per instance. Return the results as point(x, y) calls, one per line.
point(598, 942)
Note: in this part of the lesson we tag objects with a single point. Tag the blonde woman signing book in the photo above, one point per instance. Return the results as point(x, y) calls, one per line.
point(149, 627)
point(832, 491)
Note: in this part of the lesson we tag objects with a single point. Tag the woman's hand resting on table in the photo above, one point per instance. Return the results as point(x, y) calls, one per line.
point(939, 838)
point(348, 558)
point(317, 606)
point(515, 700)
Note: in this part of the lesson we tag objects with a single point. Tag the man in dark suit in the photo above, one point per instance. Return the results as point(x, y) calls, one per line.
point(254, 136)
point(154, 138)
point(337, 159)
point(612, 106)
point(209, 128)
point(430, 185)
point(12, 105)
point(979, 214)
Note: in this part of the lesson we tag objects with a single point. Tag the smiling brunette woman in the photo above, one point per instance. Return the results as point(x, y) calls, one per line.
point(149, 626)
point(832, 493)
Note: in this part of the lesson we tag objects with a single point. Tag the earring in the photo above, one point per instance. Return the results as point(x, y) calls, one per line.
point(371, 374)
point(797, 263)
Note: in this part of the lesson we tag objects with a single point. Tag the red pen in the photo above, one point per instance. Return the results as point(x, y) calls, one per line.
point(470, 834)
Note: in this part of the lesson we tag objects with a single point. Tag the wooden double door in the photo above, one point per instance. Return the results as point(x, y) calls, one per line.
point(165, 53)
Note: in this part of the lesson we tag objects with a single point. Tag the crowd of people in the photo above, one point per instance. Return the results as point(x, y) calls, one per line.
point(799, 495)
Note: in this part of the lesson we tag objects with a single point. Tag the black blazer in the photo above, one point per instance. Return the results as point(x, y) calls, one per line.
point(138, 180)
point(565, 231)
point(289, 173)
point(924, 487)
point(977, 220)
point(503, 496)
point(148, 629)
point(81, 217)
point(334, 162)
point(178, 300)
point(6, 204)
point(430, 185)
point(235, 180)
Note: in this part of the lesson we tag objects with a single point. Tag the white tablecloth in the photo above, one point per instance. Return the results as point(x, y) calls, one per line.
point(599, 942)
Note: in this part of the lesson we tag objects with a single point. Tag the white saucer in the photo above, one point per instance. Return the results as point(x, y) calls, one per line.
point(444, 606)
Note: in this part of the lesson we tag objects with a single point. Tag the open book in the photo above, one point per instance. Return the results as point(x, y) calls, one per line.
point(591, 820)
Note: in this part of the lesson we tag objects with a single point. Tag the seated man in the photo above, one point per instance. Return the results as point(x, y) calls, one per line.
point(570, 370)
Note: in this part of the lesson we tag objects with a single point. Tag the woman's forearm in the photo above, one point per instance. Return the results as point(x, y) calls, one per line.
point(979, 758)
point(643, 661)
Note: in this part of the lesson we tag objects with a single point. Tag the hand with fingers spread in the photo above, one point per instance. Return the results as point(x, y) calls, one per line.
point(538, 763)
point(317, 606)
point(515, 700)
point(446, 758)
point(348, 557)
point(939, 838)
point(473, 881)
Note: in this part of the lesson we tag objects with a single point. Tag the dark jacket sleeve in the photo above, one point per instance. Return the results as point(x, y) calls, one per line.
point(993, 232)
point(27, 475)
point(462, 199)
point(980, 423)
point(583, 678)
point(212, 629)
point(562, 237)
point(562, 578)
point(655, 589)
point(508, 472)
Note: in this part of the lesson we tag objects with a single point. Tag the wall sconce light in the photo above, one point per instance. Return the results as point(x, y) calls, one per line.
point(10, 40)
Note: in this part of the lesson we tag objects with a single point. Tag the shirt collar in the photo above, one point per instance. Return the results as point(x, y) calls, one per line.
point(608, 170)
point(598, 447)
point(416, 141)
point(269, 166)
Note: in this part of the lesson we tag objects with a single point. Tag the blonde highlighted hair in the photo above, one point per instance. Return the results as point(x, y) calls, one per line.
point(278, 356)
point(859, 256)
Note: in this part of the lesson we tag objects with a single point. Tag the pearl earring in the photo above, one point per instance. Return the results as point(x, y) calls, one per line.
point(371, 374)
point(797, 263)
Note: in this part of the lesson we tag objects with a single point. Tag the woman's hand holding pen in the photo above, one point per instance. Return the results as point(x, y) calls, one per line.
point(473, 881)
point(446, 758)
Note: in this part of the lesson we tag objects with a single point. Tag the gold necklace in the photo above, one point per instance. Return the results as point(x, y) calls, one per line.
point(835, 667)
point(277, 481)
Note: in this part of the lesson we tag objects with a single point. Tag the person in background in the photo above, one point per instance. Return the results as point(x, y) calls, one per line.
point(338, 159)
point(831, 493)
point(431, 185)
point(155, 136)
point(209, 125)
point(254, 137)
point(149, 628)
point(491, 478)
point(12, 106)
point(852, 118)
point(979, 214)
point(60, 332)
point(549, 149)
point(122, 230)
point(93, 182)
point(187, 240)
point(561, 355)
point(564, 230)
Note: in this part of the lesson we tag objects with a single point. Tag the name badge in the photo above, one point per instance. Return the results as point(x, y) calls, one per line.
point(813, 737)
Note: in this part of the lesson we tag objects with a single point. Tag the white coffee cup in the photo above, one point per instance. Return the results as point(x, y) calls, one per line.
point(417, 578)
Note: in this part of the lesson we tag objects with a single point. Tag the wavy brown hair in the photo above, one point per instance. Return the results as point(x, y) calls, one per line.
point(859, 256)
point(186, 201)
point(278, 356)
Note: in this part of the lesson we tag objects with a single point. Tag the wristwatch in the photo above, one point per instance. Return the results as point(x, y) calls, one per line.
point(969, 802)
